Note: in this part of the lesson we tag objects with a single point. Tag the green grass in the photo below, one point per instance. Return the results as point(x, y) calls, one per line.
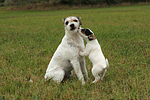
point(28, 40)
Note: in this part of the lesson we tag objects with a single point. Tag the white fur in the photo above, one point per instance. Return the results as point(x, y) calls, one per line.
point(93, 50)
point(66, 57)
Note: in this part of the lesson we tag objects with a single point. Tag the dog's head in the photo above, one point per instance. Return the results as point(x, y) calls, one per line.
point(87, 34)
point(72, 23)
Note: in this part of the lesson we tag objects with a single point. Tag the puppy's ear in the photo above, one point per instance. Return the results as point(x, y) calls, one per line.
point(79, 18)
point(63, 20)
point(91, 37)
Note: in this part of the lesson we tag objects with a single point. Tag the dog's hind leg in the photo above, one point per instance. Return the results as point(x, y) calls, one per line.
point(103, 74)
point(58, 76)
point(104, 71)
point(48, 76)
point(95, 71)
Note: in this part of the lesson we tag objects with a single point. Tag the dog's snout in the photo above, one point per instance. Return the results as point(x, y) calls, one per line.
point(72, 25)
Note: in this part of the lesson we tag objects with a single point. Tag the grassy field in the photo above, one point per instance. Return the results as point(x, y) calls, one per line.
point(28, 40)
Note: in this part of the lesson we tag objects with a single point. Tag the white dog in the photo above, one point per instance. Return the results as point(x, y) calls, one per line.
point(93, 50)
point(66, 57)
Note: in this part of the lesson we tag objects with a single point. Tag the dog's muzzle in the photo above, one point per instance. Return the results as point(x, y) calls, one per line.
point(72, 26)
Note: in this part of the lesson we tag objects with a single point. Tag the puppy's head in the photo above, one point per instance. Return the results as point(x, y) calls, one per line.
point(72, 23)
point(87, 34)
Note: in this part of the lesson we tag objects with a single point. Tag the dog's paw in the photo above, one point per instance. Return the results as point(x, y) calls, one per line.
point(95, 81)
point(83, 83)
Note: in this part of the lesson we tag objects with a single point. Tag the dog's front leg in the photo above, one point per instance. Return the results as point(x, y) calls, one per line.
point(83, 68)
point(77, 68)
point(84, 53)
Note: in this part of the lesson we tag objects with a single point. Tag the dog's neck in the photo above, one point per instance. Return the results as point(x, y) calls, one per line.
point(87, 40)
point(74, 38)
point(91, 41)
point(70, 33)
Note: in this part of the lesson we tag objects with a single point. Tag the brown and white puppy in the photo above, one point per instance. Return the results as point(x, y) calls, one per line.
point(93, 50)
point(66, 57)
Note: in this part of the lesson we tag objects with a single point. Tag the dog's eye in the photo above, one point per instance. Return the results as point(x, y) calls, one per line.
point(67, 23)
point(75, 20)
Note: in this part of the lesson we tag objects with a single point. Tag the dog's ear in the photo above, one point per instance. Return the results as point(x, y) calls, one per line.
point(63, 20)
point(91, 37)
point(79, 18)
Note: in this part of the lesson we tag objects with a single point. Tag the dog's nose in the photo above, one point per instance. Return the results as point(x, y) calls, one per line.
point(72, 25)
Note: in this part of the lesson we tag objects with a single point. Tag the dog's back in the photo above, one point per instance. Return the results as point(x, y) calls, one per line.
point(95, 52)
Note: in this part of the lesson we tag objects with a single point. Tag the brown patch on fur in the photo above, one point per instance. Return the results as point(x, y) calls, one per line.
point(79, 18)
point(71, 20)
point(91, 37)
point(83, 32)
point(64, 20)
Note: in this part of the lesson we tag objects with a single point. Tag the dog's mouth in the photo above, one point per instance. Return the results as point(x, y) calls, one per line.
point(72, 26)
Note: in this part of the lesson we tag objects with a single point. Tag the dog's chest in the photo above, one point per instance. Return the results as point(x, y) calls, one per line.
point(92, 45)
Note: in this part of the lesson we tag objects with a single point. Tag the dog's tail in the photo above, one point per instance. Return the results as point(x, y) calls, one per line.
point(107, 64)
point(105, 69)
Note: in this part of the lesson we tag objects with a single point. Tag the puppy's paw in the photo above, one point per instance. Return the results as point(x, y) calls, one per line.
point(80, 48)
point(95, 81)
point(79, 53)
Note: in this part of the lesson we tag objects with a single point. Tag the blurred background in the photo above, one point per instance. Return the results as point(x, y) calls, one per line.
point(70, 2)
